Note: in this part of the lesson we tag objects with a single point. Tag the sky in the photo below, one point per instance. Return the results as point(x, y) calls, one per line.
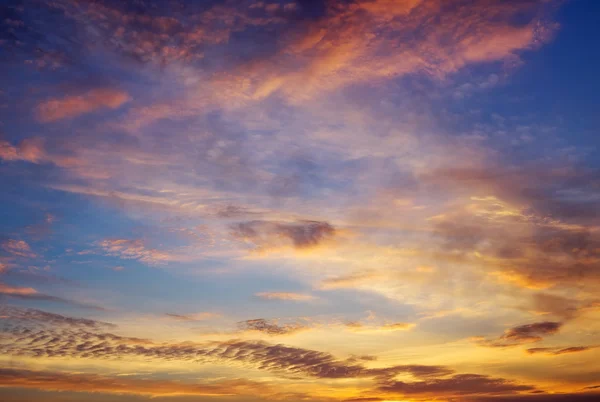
point(299, 200)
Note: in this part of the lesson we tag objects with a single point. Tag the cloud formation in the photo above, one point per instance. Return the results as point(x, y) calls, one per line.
point(300, 235)
point(284, 296)
point(72, 106)
point(34, 316)
point(560, 350)
point(134, 249)
point(269, 328)
point(17, 248)
point(380, 152)
point(523, 334)
point(79, 382)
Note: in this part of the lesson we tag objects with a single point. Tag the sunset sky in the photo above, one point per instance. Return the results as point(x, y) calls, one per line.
point(300, 200)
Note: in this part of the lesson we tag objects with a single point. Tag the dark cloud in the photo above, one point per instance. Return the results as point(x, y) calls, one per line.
point(529, 332)
point(82, 343)
point(234, 211)
point(568, 397)
point(300, 234)
point(43, 317)
point(269, 328)
point(523, 334)
point(560, 351)
point(460, 384)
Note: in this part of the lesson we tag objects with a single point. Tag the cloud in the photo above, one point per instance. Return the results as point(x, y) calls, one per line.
point(284, 296)
point(544, 303)
point(134, 249)
point(72, 106)
point(279, 359)
point(347, 46)
point(355, 326)
point(193, 317)
point(560, 350)
point(459, 384)
point(542, 397)
point(521, 222)
point(267, 234)
point(17, 291)
point(270, 328)
point(82, 343)
point(18, 248)
point(81, 382)
point(523, 334)
point(46, 318)
point(28, 293)
point(350, 281)
point(33, 150)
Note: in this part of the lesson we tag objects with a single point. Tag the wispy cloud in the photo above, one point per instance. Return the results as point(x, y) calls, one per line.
point(18, 248)
point(193, 317)
point(134, 249)
point(29, 293)
point(560, 350)
point(523, 334)
point(291, 296)
point(76, 105)
point(96, 383)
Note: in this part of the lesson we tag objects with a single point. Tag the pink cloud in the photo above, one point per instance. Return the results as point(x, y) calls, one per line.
point(284, 296)
point(76, 105)
point(18, 248)
point(16, 291)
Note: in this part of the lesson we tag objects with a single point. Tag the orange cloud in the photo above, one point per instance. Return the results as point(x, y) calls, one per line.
point(284, 296)
point(73, 106)
point(77, 382)
point(30, 150)
point(352, 45)
point(16, 291)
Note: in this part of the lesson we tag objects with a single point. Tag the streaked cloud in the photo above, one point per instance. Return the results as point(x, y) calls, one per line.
point(193, 317)
point(524, 334)
point(46, 318)
point(72, 106)
point(134, 249)
point(285, 296)
point(80, 382)
point(560, 350)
